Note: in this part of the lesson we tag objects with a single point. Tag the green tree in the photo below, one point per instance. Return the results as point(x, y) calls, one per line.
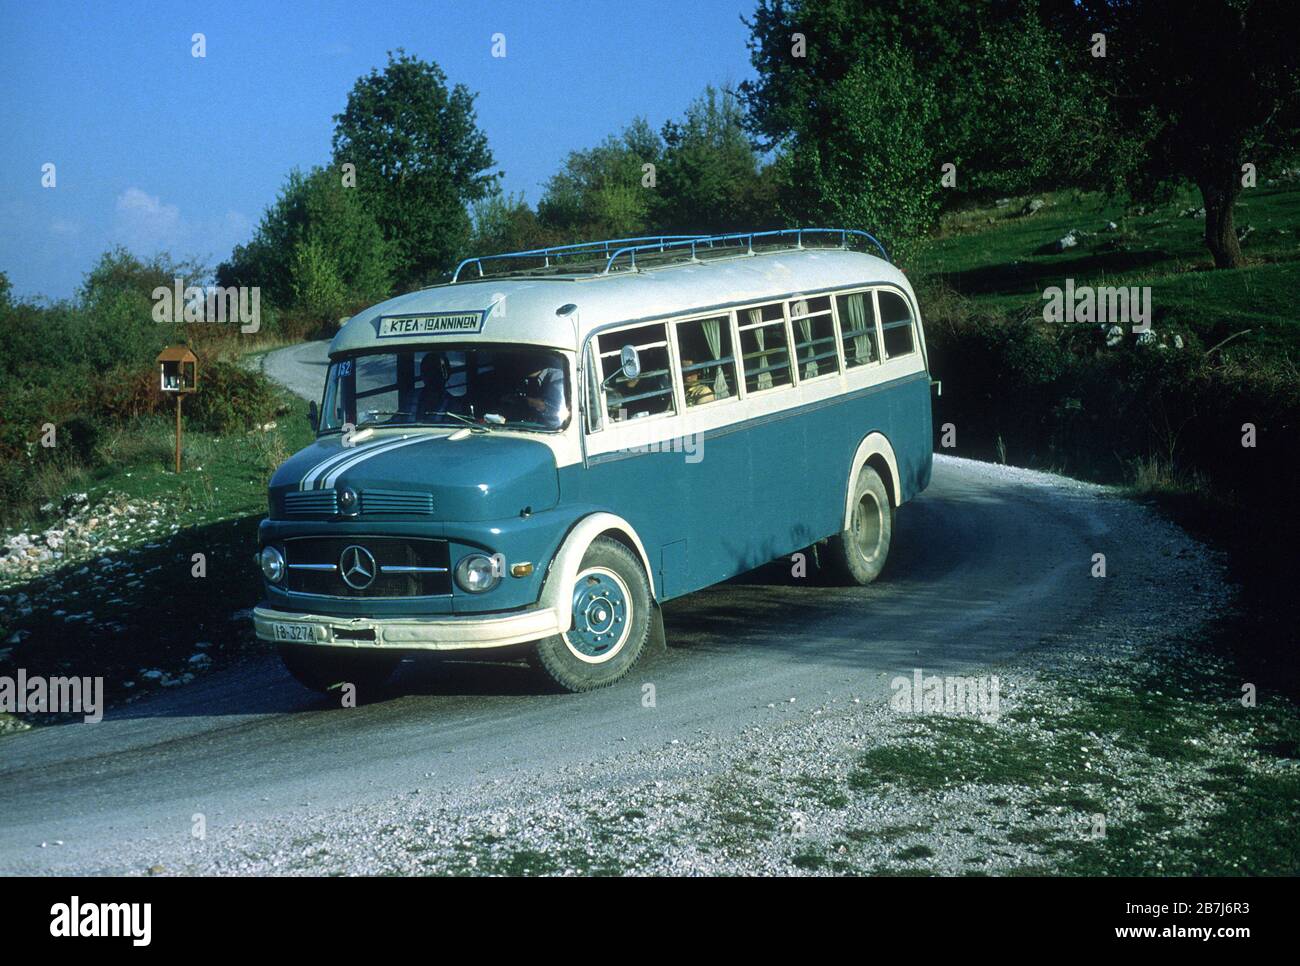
point(878, 171)
point(420, 161)
point(710, 178)
point(114, 323)
point(35, 341)
point(1008, 105)
point(1203, 87)
point(506, 223)
point(601, 192)
point(317, 289)
point(316, 228)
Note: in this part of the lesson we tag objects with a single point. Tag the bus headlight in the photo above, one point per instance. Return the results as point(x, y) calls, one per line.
point(477, 573)
point(272, 562)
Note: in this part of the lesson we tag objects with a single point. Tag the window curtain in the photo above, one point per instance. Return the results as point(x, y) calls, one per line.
point(713, 336)
point(805, 332)
point(764, 378)
point(857, 310)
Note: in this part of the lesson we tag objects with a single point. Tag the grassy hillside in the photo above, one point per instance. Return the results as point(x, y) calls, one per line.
point(994, 257)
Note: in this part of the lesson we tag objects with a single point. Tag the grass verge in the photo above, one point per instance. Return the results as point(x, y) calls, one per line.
point(133, 599)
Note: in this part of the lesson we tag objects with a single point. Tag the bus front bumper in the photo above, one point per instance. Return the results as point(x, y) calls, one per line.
point(450, 633)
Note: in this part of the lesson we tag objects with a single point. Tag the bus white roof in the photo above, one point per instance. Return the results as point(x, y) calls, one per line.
point(524, 309)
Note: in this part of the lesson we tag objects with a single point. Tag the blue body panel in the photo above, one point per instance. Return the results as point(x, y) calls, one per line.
point(762, 489)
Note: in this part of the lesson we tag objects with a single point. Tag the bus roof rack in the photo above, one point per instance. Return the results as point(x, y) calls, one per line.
point(591, 249)
point(737, 240)
point(602, 257)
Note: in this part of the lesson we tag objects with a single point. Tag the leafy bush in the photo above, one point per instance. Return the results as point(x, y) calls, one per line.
point(1000, 382)
point(317, 288)
point(126, 393)
point(80, 436)
point(230, 398)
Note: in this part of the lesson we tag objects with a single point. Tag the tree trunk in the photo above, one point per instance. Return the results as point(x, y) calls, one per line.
point(1220, 196)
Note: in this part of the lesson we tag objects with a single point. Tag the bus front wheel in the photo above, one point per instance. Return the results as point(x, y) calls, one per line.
point(611, 620)
point(858, 554)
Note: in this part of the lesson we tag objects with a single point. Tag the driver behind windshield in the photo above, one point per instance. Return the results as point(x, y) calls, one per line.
point(538, 392)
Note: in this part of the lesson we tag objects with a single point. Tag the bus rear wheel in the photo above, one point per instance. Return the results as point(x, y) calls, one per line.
point(858, 554)
point(611, 620)
point(326, 668)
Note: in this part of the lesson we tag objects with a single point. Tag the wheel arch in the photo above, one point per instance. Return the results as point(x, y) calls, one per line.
point(568, 560)
point(875, 451)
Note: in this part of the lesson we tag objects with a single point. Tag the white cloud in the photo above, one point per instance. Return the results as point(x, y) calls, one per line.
point(143, 222)
point(146, 224)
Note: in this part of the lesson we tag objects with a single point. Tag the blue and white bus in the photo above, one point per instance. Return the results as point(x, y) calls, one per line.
point(541, 452)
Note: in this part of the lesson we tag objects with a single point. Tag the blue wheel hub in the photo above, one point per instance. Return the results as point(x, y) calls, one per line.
point(600, 612)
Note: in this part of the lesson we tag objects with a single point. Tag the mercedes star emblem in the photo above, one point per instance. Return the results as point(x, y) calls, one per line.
point(358, 567)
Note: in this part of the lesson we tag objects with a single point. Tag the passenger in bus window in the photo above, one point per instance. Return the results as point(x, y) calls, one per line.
point(652, 390)
point(623, 403)
point(615, 402)
point(433, 400)
point(696, 392)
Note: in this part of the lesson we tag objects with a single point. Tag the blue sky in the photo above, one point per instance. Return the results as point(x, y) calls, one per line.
point(158, 150)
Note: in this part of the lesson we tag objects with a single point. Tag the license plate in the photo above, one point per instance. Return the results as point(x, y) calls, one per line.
point(292, 632)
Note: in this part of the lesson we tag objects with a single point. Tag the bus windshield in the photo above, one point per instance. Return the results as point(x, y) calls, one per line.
point(508, 387)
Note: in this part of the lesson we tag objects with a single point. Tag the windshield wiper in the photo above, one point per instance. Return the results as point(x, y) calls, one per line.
point(369, 421)
point(474, 427)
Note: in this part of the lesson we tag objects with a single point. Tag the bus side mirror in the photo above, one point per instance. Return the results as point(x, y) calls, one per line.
point(631, 362)
point(313, 416)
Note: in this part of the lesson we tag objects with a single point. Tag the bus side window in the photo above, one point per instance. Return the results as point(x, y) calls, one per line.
point(708, 365)
point(651, 392)
point(895, 324)
point(765, 353)
point(857, 328)
point(814, 337)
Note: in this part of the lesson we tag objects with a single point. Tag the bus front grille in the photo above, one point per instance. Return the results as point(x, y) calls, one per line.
point(311, 503)
point(402, 502)
point(367, 566)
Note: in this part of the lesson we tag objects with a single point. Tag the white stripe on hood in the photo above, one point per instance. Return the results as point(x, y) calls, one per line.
point(358, 458)
point(347, 453)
